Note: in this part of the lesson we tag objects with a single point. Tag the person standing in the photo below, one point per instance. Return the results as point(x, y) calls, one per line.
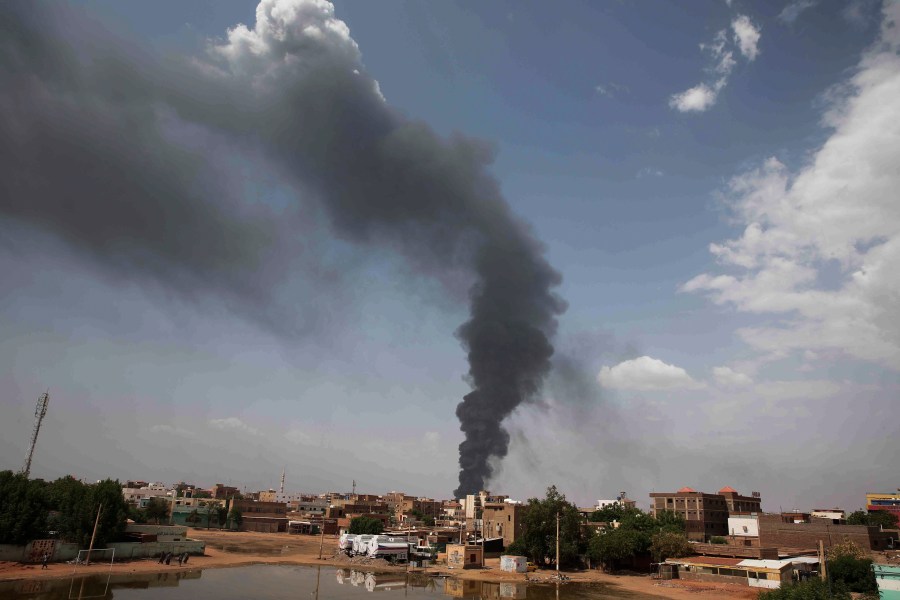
point(45, 558)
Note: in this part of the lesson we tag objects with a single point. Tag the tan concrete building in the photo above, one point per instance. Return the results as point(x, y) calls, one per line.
point(503, 519)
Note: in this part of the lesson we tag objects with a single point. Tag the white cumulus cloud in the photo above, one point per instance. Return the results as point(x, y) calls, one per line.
point(728, 377)
point(696, 99)
point(820, 247)
point(721, 52)
point(232, 424)
point(646, 374)
point(746, 35)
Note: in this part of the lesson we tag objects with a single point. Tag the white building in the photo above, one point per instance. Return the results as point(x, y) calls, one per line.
point(141, 496)
point(832, 514)
point(744, 525)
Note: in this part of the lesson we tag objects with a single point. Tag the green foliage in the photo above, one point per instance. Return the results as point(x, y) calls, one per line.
point(235, 516)
point(717, 539)
point(669, 544)
point(538, 539)
point(138, 515)
point(811, 589)
point(853, 573)
point(221, 515)
point(77, 503)
point(608, 514)
point(193, 517)
point(858, 517)
point(23, 509)
point(635, 535)
point(157, 510)
point(617, 545)
point(883, 518)
point(876, 518)
point(366, 525)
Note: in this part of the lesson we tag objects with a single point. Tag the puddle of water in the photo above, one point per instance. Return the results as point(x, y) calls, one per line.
point(291, 582)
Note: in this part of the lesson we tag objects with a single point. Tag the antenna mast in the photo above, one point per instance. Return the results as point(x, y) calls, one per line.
point(282, 480)
point(39, 411)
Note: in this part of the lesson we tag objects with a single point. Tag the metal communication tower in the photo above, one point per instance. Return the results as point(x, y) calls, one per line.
point(39, 411)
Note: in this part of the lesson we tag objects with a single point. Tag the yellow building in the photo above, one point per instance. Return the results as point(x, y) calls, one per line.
point(889, 501)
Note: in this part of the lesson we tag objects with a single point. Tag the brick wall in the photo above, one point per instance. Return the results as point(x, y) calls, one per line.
point(774, 532)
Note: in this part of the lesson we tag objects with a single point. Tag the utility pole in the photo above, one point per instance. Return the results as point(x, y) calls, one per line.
point(557, 544)
point(94, 535)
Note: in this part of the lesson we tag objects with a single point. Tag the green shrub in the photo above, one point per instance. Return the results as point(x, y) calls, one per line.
point(812, 589)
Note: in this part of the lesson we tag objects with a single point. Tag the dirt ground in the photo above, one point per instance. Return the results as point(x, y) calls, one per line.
point(232, 549)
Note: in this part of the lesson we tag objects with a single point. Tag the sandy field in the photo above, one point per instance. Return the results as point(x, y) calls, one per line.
point(231, 549)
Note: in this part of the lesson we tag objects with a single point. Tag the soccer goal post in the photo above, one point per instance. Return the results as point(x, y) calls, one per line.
point(97, 556)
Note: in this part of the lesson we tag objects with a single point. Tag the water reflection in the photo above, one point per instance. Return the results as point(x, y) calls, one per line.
point(91, 586)
point(455, 588)
point(291, 583)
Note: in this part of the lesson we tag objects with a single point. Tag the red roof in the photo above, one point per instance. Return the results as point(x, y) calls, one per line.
point(685, 490)
point(728, 490)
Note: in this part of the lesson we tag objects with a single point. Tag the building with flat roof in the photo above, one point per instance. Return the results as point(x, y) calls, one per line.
point(887, 501)
point(504, 520)
point(706, 515)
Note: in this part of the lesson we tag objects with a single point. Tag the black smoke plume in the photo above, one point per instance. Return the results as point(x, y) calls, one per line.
point(125, 156)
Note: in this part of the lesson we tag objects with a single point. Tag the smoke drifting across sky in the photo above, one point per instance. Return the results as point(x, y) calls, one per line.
point(131, 160)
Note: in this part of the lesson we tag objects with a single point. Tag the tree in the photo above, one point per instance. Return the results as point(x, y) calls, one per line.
point(669, 544)
point(77, 504)
point(366, 525)
point(221, 515)
point(23, 509)
point(811, 589)
point(635, 536)
point(846, 548)
point(609, 513)
point(111, 527)
point(157, 509)
point(853, 573)
point(538, 539)
point(615, 545)
point(236, 516)
point(193, 517)
point(875, 518)
point(138, 515)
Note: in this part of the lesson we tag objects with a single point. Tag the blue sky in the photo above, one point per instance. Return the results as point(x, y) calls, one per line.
point(714, 180)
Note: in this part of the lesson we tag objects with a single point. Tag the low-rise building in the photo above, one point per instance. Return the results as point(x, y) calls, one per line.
point(141, 496)
point(835, 515)
point(705, 515)
point(221, 492)
point(264, 517)
point(759, 573)
point(773, 531)
point(504, 520)
point(886, 501)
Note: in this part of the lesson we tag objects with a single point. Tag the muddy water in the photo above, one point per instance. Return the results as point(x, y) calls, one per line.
point(289, 582)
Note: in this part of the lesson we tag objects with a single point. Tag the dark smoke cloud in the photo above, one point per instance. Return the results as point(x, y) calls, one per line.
point(102, 148)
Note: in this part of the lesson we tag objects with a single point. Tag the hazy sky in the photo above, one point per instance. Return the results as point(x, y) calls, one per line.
point(717, 182)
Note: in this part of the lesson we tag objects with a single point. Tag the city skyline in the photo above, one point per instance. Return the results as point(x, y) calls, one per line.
point(715, 183)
